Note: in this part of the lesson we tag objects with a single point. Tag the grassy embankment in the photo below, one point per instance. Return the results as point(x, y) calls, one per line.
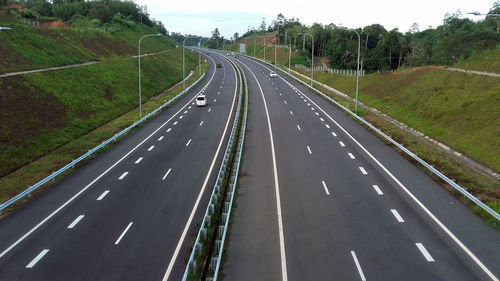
point(47, 116)
point(488, 61)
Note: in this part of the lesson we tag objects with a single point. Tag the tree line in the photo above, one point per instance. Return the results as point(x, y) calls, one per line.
point(455, 40)
point(106, 11)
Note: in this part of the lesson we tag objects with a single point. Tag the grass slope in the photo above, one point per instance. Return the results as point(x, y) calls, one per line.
point(43, 111)
point(26, 47)
point(488, 61)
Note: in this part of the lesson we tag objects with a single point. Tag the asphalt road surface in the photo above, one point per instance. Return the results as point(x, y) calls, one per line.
point(322, 198)
point(130, 213)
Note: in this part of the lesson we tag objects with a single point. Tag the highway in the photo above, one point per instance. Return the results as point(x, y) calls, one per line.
point(130, 213)
point(322, 198)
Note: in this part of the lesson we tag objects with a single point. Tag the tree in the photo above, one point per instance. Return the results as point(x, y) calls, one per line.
point(262, 27)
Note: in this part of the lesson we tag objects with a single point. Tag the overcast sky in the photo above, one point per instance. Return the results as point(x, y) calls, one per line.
point(201, 17)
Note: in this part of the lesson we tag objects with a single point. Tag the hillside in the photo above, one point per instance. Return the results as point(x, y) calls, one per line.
point(488, 61)
point(42, 111)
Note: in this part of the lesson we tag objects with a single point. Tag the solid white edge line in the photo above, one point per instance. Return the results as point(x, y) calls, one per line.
point(424, 252)
point(166, 174)
point(397, 215)
point(138, 160)
point(284, 273)
point(75, 221)
point(37, 258)
point(102, 195)
point(413, 197)
point(33, 229)
point(189, 141)
point(377, 189)
point(326, 189)
point(358, 266)
point(123, 175)
point(202, 190)
point(123, 233)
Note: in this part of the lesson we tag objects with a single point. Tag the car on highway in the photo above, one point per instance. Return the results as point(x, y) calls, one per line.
point(219, 65)
point(273, 74)
point(201, 100)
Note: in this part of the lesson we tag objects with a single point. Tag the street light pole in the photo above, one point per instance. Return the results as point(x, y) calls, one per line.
point(487, 15)
point(254, 46)
point(139, 56)
point(264, 47)
point(199, 55)
point(184, 63)
point(312, 55)
point(289, 55)
point(357, 69)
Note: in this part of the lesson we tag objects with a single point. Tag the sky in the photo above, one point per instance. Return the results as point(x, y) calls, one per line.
point(201, 17)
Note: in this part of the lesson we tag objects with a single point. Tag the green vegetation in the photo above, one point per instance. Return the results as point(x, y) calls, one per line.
point(485, 61)
point(46, 110)
point(456, 40)
point(27, 47)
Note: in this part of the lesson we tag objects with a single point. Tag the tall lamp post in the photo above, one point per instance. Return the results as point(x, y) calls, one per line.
point(312, 55)
point(199, 55)
point(254, 46)
point(487, 15)
point(139, 56)
point(289, 55)
point(264, 37)
point(357, 69)
point(184, 62)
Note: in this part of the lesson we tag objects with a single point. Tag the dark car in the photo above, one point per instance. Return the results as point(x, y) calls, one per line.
point(219, 65)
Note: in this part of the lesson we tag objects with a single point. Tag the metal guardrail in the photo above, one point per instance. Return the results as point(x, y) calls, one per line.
point(93, 150)
point(457, 187)
point(221, 230)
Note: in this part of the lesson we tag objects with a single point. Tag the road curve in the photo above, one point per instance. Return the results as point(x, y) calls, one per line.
point(352, 208)
point(123, 215)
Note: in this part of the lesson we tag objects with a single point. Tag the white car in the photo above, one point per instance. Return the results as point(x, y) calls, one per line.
point(201, 100)
point(273, 74)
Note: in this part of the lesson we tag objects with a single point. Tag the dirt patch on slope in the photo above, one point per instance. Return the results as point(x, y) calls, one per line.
point(27, 112)
point(53, 23)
